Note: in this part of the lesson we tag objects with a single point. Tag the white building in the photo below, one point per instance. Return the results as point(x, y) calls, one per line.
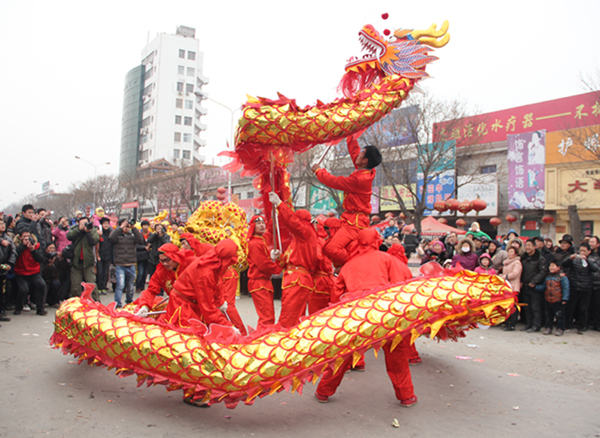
point(170, 103)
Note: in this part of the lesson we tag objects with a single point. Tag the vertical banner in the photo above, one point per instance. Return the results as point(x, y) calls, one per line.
point(375, 200)
point(439, 158)
point(526, 163)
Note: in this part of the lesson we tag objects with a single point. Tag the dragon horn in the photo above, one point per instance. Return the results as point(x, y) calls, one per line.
point(430, 36)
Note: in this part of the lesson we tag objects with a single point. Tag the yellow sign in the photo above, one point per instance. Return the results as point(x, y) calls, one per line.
point(573, 145)
point(388, 201)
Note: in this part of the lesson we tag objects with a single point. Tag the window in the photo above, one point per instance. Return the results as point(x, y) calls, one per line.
point(177, 137)
point(187, 138)
point(249, 195)
point(179, 103)
point(148, 74)
point(144, 155)
point(191, 71)
point(189, 104)
point(147, 90)
point(186, 121)
point(179, 86)
point(176, 153)
point(189, 88)
point(488, 169)
point(146, 122)
point(180, 70)
point(181, 53)
point(186, 155)
point(178, 120)
point(147, 106)
point(192, 55)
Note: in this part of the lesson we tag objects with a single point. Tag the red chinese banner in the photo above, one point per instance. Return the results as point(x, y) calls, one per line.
point(553, 115)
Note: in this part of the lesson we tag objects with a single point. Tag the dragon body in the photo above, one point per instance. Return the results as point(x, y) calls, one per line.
point(217, 366)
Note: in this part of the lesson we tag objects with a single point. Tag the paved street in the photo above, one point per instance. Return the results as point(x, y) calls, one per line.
point(508, 384)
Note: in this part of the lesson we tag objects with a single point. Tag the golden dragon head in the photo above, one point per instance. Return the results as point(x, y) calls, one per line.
point(404, 53)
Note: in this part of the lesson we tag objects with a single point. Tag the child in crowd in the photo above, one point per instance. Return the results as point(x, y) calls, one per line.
point(485, 265)
point(556, 294)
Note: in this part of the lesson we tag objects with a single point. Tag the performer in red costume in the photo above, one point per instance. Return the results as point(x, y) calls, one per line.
point(370, 268)
point(357, 197)
point(188, 241)
point(173, 261)
point(299, 262)
point(321, 294)
point(397, 251)
point(260, 269)
point(193, 294)
point(227, 288)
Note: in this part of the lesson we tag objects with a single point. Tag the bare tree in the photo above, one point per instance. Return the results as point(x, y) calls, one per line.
point(415, 148)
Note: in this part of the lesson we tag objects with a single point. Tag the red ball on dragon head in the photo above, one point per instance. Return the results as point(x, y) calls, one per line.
point(387, 32)
point(385, 16)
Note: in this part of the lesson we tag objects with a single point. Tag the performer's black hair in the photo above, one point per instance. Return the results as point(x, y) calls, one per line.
point(373, 155)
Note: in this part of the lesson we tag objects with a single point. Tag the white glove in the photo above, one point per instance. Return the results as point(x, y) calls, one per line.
point(275, 254)
point(143, 312)
point(223, 308)
point(237, 331)
point(275, 200)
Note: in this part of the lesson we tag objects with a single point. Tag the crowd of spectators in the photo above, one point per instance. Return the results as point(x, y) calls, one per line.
point(44, 261)
point(559, 285)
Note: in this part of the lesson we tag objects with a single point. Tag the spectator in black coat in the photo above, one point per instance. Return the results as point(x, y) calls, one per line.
point(565, 251)
point(581, 282)
point(8, 257)
point(50, 274)
point(143, 253)
point(534, 273)
point(544, 251)
point(594, 257)
point(156, 240)
point(105, 255)
point(411, 241)
point(26, 221)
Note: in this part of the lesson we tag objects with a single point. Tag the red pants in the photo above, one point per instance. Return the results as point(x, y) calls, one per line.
point(337, 248)
point(396, 363)
point(414, 354)
point(293, 305)
point(317, 301)
point(262, 295)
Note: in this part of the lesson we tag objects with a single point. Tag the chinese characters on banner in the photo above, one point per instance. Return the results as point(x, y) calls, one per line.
point(375, 200)
point(441, 177)
point(526, 163)
point(388, 200)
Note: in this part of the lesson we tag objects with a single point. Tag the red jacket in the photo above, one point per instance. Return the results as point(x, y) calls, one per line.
point(164, 279)
point(323, 275)
point(193, 296)
point(260, 264)
point(367, 271)
point(28, 262)
point(357, 189)
point(303, 251)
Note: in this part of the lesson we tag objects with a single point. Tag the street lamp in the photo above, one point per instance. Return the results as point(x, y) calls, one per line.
point(231, 111)
point(96, 166)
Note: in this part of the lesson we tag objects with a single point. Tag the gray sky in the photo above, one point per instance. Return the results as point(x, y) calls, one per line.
point(63, 64)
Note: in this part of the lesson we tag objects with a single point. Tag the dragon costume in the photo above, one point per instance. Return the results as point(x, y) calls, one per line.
point(214, 364)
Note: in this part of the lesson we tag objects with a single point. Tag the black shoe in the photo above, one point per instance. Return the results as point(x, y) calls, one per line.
point(526, 329)
point(3, 317)
point(41, 312)
point(17, 312)
point(533, 329)
point(508, 329)
point(579, 331)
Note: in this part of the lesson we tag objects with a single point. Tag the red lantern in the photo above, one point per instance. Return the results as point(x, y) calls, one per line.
point(479, 204)
point(495, 221)
point(222, 190)
point(452, 204)
point(511, 218)
point(465, 207)
point(440, 206)
point(547, 219)
point(461, 223)
point(443, 220)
